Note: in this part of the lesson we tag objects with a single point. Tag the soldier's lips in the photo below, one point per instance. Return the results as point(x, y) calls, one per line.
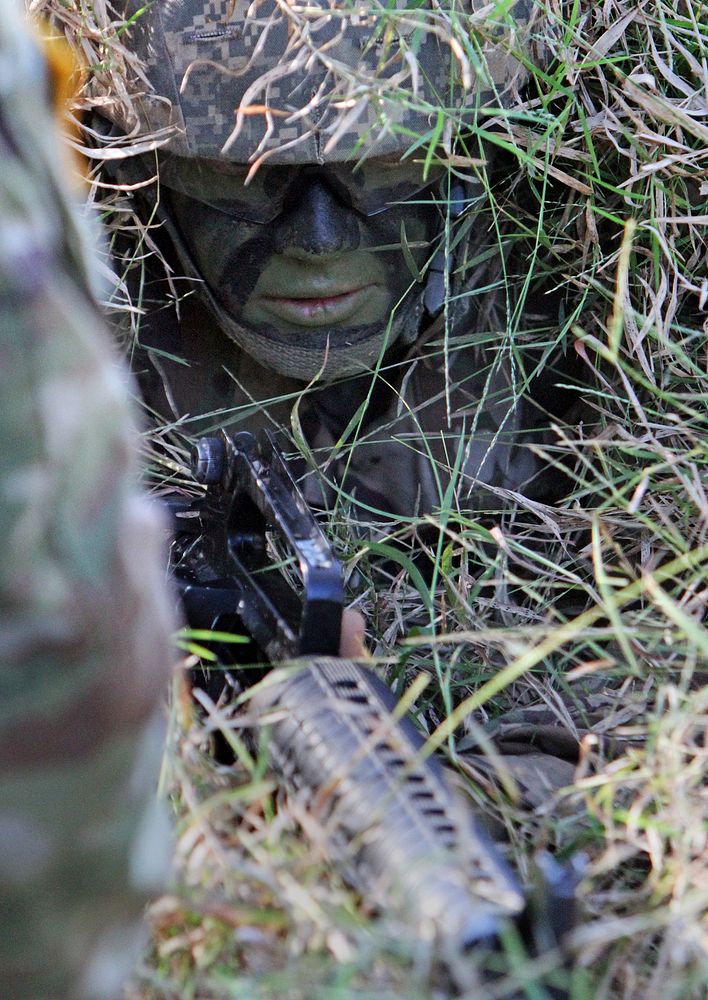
point(319, 310)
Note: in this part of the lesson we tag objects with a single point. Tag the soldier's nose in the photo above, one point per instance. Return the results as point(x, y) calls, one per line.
point(315, 222)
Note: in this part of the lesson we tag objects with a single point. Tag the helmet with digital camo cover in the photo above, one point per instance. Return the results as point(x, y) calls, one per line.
point(304, 160)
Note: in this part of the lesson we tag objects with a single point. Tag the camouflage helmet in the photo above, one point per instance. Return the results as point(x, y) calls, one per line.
point(316, 83)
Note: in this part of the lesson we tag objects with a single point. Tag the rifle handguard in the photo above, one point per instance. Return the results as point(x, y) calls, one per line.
point(406, 840)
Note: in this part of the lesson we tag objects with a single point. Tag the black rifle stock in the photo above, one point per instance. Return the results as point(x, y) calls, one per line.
point(406, 839)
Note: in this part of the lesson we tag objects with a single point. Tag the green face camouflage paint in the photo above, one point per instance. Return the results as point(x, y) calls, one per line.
point(320, 286)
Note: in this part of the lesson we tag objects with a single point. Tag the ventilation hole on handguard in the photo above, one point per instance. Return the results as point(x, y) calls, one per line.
point(415, 779)
point(423, 794)
point(433, 811)
point(346, 684)
point(445, 828)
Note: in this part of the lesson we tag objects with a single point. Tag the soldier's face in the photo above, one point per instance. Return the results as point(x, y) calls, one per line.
point(302, 270)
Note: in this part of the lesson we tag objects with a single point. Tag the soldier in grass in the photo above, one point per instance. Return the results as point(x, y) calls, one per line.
point(319, 242)
point(323, 245)
point(84, 615)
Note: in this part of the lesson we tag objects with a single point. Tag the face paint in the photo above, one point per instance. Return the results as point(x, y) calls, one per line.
point(321, 281)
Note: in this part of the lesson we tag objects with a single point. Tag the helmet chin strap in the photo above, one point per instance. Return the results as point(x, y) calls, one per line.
point(440, 269)
point(437, 278)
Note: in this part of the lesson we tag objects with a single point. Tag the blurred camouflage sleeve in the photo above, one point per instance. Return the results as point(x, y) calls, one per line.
point(84, 614)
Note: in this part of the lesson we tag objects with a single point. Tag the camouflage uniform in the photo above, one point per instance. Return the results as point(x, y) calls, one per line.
point(404, 427)
point(84, 614)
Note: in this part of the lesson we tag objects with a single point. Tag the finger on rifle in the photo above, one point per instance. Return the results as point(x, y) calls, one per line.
point(353, 631)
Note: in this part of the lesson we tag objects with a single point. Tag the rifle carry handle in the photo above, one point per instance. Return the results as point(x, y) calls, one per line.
point(223, 569)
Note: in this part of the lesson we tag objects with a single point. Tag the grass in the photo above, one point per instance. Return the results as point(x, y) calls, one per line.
point(591, 607)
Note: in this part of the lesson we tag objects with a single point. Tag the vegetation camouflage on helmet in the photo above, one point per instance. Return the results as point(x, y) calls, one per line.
point(309, 85)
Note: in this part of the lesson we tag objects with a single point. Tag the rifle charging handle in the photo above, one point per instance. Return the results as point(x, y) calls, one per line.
point(209, 461)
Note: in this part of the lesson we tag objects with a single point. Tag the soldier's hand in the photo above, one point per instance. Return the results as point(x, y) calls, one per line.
point(352, 646)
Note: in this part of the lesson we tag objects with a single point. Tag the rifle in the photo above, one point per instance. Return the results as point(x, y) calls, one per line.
point(406, 840)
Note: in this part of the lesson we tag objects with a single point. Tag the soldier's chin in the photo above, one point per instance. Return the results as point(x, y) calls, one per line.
point(328, 354)
point(327, 360)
